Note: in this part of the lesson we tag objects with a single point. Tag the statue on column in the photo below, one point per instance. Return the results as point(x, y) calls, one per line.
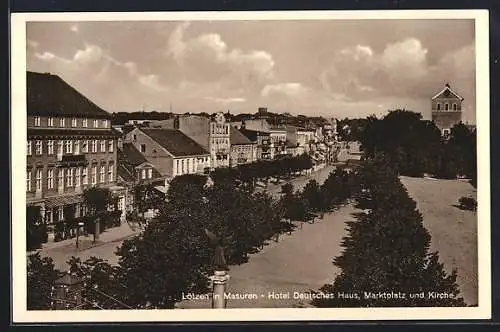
point(219, 259)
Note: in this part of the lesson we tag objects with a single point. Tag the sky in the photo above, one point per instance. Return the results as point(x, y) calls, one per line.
point(332, 68)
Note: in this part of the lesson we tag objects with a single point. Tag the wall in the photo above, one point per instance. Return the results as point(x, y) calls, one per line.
point(155, 154)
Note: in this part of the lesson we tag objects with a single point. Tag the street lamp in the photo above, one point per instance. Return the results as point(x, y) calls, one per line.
point(80, 224)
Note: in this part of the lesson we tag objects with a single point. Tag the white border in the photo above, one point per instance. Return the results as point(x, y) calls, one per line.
point(18, 125)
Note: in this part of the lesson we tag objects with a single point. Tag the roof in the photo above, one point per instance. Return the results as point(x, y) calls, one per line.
point(50, 95)
point(46, 132)
point(175, 142)
point(447, 92)
point(253, 134)
point(62, 200)
point(237, 138)
point(128, 159)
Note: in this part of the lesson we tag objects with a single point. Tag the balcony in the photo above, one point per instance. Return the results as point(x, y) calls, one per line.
point(71, 160)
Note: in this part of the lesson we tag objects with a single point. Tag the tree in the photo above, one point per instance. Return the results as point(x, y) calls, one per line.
point(41, 277)
point(97, 199)
point(387, 249)
point(187, 189)
point(147, 197)
point(36, 231)
point(170, 257)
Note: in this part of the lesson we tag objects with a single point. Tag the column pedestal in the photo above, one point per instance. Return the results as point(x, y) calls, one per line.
point(219, 282)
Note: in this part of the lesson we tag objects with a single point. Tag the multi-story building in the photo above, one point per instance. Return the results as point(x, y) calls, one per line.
point(446, 109)
point(170, 151)
point(243, 150)
point(265, 149)
point(134, 169)
point(278, 141)
point(70, 146)
point(211, 133)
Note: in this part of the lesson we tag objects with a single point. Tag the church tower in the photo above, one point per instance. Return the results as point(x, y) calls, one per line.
point(446, 109)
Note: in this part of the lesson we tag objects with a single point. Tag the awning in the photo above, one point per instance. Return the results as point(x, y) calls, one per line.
point(57, 201)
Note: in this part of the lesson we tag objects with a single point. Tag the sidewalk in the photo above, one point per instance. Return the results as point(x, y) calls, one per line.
point(62, 251)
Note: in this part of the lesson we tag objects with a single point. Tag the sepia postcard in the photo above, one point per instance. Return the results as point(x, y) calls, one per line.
point(250, 166)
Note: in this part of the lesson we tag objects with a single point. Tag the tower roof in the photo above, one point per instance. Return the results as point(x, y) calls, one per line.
point(447, 92)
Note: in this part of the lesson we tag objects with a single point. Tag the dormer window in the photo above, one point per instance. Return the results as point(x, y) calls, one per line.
point(454, 106)
point(438, 106)
point(446, 106)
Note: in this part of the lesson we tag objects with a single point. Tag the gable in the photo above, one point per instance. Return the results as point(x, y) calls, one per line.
point(447, 93)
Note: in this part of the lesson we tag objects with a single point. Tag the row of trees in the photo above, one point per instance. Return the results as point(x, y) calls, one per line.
point(173, 254)
point(264, 169)
point(387, 249)
point(415, 146)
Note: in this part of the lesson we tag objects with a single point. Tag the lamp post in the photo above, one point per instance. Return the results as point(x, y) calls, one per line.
point(80, 224)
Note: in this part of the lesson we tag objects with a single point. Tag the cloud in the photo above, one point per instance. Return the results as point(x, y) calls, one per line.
point(152, 81)
point(93, 62)
point(401, 69)
point(207, 57)
point(91, 53)
point(227, 100)
point(289, 89)
point(32, 43)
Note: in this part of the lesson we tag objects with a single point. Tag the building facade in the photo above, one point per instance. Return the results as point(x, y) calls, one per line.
point(170, 151)
point(212, 134)
point(263, 142)
point(243, 150)
point(446, 109)
point(70, 146)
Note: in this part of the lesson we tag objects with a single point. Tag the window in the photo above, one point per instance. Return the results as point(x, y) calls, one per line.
point(61, 122)
point(50, 147)
point(103, 146)
point(446, 106)
point(454, 106)
point(96, 123)
point(102, 174)
point(143, 174)
point(94, 175)
point(94, 145)
point(85, 123)
point(110, 145)
point(38, 147)
point(28, 180)
point(69, 147)
point(143, 148)
point(60, 176)
point(74, 122)
point(37, 121)
point(150, 173)
point(77, 177)
point(85, 146)
point(188, 162)
point(50, 179)
point(105, 123)
point(60, 147)
point(135, 137)
point(77, 147)
point(183, 166)
point(110, 173)
point(178, 166)
point(69, 178)
point(28, 148)
point(85, 179)
point(38, 180)
point(50, 122)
